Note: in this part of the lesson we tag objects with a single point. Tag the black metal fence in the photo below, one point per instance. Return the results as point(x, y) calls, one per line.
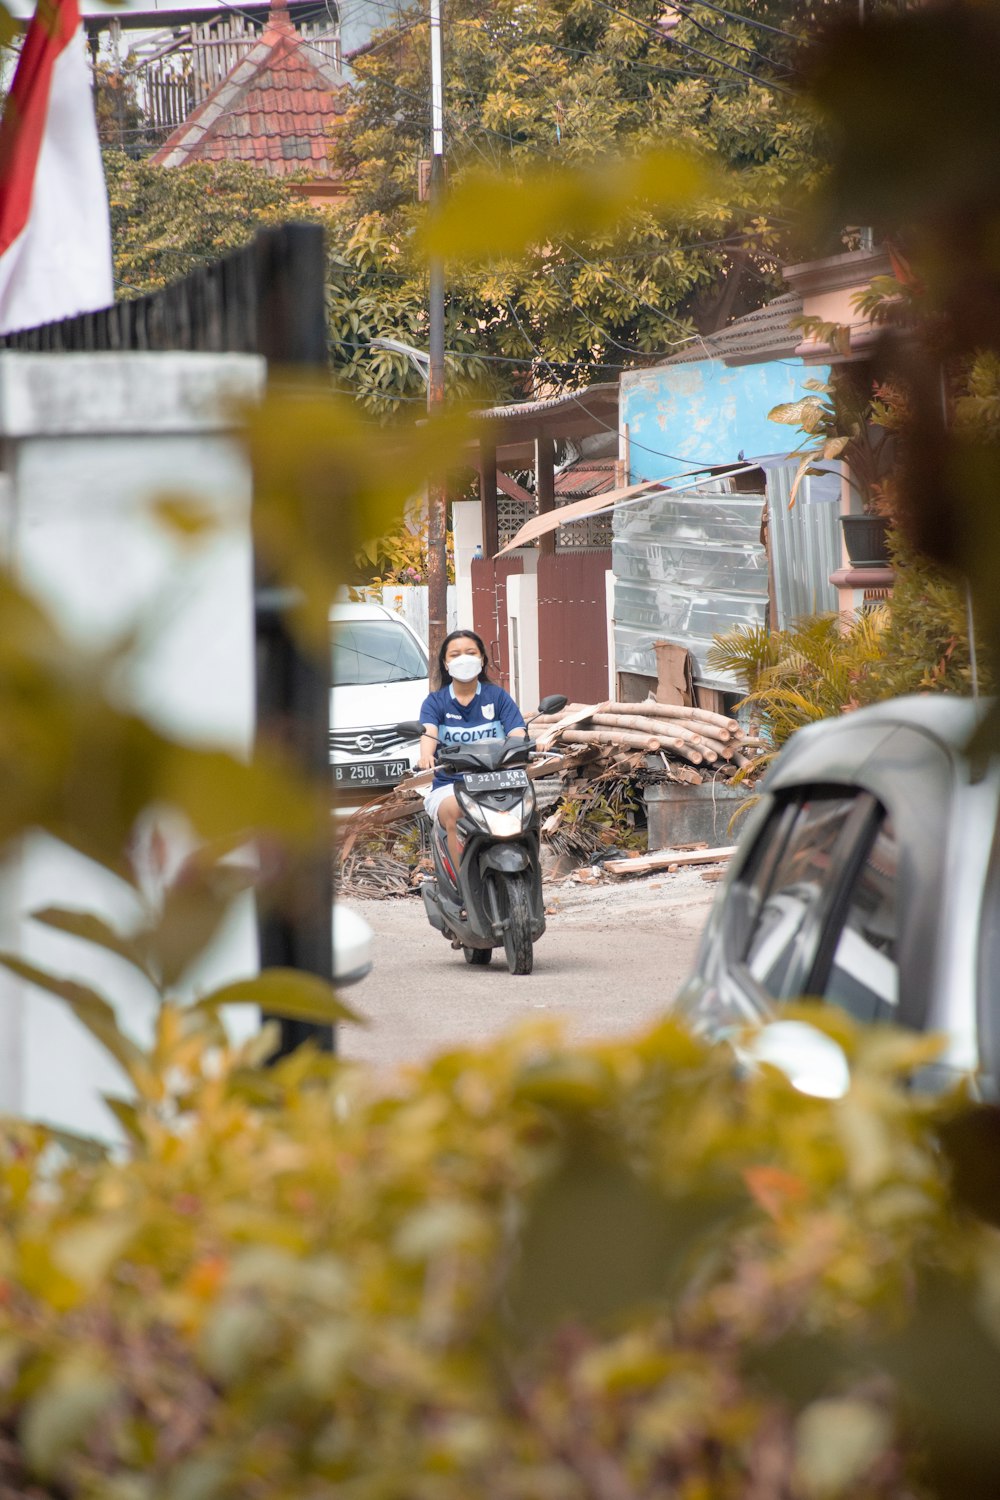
point(264, 299)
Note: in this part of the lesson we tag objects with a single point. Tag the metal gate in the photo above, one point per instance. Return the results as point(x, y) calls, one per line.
point(573, 624)
point(489, 610)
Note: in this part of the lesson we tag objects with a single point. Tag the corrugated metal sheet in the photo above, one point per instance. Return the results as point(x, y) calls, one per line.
point(765, 333)
point(805, 546)
point(687, 566)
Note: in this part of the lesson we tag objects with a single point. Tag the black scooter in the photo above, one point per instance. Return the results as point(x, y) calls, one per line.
point(494, 898)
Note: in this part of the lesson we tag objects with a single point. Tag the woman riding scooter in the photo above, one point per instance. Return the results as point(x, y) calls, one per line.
point(465, 709)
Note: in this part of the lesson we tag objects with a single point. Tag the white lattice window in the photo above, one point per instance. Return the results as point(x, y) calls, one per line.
point(511, 516)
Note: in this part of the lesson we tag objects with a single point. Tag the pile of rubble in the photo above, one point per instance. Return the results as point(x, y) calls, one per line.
point(590, 789)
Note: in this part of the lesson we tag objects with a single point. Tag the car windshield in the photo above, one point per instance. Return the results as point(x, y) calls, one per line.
point(371, 651)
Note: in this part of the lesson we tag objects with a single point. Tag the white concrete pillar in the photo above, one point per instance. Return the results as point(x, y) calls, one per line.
point(467, 535)
point(609, 604)
point(89, 441)
point(522, 639)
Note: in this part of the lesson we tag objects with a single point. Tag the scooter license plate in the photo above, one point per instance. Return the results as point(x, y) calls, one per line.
point(370, 772)
point(509, 780)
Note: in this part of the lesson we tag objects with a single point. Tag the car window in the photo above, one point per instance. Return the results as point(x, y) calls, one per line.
point(373, 651)
point(783, 941)
point(864, 974)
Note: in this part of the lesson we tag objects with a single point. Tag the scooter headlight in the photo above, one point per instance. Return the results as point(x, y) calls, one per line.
point(472, 810)
point(502, 824)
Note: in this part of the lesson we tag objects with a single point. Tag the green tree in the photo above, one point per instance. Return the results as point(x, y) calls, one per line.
point(165, 221)
point(568, 82)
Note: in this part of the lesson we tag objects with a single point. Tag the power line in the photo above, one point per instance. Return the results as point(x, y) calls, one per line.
point(734, 15)
point(510, 359)
point(750, 52)
point(687, 47)
point(633, 443)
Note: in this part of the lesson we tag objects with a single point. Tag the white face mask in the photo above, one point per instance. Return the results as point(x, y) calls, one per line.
point(466, 667)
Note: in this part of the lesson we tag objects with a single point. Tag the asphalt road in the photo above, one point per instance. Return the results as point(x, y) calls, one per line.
point(611, 959)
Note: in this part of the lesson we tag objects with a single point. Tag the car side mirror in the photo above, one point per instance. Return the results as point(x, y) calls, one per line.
point(812, 1062)
point(352, 945)
point(553, 704)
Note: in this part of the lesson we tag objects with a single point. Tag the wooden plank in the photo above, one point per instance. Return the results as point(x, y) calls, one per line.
point(552, 731)
point(625, 738)
point(646, 863)
point(513, 489)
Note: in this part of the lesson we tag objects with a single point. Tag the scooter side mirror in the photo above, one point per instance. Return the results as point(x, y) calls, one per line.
point(410, 729)
point(553, 704)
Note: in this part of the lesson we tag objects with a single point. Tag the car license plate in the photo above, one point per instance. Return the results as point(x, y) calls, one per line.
point(369, 772)
point(496, 781)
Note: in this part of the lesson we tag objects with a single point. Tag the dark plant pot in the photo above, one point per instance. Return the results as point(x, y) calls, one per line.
point(866, 540)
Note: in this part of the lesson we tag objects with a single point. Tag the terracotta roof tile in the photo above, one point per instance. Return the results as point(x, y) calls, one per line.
point(584, 478)
point(277, 107)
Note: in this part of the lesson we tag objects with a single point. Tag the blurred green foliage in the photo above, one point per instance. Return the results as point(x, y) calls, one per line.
point(912, 117)
point(529, 1270)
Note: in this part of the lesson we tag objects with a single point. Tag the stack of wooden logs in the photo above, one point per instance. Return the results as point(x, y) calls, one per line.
point(694, 735)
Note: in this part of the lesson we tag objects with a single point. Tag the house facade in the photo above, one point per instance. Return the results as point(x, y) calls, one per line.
point(729, 548)
point(276, 109)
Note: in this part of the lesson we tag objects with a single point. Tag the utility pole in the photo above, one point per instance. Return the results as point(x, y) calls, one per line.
point(437, 495)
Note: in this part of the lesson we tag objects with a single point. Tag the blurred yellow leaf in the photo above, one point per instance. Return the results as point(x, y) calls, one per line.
point(63, 1413)
point(235, 1337)
point(86, 1251)
point(490, 215)
point(185, 517)
point(92, 929)
point(567, 1079)
point(284, 992)
point(836, 1441)
point(194, 907)
point(438, 1227)
point(326, 480)
point(90, 1009)
point(599, 1239)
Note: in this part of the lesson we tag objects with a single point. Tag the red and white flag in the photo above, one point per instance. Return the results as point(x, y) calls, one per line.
point(55, 232)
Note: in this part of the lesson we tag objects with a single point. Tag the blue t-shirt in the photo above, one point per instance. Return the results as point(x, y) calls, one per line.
point(491, 715)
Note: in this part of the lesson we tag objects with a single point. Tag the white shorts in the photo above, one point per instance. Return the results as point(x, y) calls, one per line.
point(434, 798)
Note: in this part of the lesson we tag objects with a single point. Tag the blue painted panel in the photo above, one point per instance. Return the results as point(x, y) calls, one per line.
point(704, 414)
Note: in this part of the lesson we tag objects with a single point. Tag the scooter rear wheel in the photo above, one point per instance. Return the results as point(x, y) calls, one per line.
point(478, 956)
point(517, 942)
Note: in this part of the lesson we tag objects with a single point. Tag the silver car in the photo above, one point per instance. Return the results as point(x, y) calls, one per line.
point(868, 875)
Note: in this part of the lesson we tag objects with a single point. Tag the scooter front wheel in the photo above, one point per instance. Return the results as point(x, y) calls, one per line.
point(478, 956)
point(517, 944)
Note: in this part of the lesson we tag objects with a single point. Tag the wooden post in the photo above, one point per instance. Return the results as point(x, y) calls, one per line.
point(545, 488)
point(488, 497)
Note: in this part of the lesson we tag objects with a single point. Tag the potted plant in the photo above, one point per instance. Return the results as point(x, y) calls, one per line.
point(841, 423)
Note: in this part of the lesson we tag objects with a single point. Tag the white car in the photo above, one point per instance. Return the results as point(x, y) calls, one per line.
point(379, 680)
